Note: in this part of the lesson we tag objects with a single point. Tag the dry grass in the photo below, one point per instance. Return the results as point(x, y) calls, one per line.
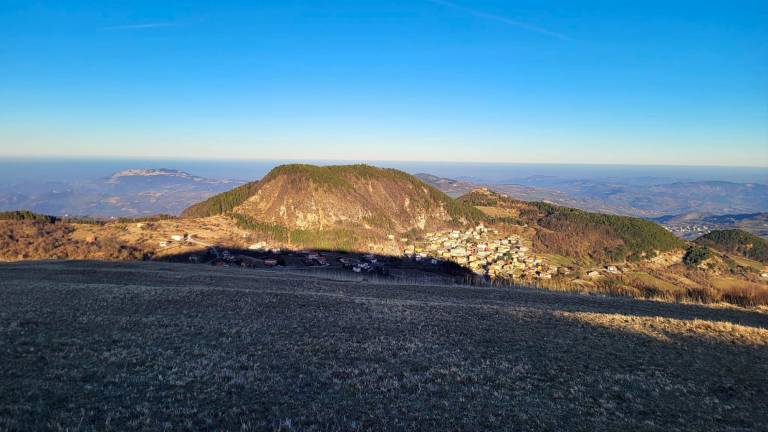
point(642, 285)
point(138, 346)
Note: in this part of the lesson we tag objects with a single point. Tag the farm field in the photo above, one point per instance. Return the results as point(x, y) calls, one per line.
point(150, 346)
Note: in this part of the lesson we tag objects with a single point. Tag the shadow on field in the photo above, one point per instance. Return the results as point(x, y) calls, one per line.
point(132, 346)
point(420, 285)
point(334, 262)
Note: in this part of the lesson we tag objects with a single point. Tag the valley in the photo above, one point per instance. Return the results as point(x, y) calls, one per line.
point(127, 193)
point(364, 221)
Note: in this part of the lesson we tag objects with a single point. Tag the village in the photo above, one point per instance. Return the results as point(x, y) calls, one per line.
point(481, 251)
point(484, 251)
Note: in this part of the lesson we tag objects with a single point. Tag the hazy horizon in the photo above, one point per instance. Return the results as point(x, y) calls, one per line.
point(17, 170)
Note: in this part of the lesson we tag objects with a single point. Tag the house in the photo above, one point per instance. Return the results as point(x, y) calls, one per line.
point(177, 237)
point(612, 269)
point(459, 252)
point(593, 274)
point(258, 246)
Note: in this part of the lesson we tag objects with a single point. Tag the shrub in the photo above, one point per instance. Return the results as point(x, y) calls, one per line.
point(695, 255)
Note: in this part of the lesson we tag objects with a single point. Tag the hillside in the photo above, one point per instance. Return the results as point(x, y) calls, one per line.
point(349, 197)
point(221, 203)
point(180, 347)
point(580, 234)
point(43, 237)
point(26, 215)
point(738, 242)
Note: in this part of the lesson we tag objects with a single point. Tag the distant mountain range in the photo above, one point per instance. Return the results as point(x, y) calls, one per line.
point(143, 191)
point(651, 201)
point(133, 192)
point(157, 175)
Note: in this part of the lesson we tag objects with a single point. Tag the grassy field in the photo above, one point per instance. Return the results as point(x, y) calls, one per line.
point(757, 266)
point(653, 281)
point(153, 346)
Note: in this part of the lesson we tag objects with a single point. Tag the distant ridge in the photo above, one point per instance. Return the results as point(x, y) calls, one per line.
point(161, 172)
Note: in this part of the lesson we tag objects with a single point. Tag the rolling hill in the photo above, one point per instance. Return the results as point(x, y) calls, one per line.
point(577, 233)
point(738, 242)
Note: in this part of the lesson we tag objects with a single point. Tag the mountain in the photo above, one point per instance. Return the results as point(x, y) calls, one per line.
point(737, 242)
point(348, 197)
point(128, 193)
point(160, 175)
point(576, 233)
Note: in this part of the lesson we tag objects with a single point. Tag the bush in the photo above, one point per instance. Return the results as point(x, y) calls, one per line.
point(695, 255)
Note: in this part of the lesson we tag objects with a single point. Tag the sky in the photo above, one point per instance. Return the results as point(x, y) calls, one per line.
point(599, 82)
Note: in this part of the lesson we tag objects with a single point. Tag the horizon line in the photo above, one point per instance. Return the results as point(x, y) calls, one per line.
point(364, 161)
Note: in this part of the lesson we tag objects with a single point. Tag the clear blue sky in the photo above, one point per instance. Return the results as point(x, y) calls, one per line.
point(648, 82)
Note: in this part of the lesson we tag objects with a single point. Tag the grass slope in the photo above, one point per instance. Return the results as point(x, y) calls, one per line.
point(118, 346)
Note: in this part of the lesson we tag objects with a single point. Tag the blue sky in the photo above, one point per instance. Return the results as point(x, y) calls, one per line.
point(651, 82)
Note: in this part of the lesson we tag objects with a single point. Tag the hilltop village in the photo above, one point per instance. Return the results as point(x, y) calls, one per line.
point(484, 251)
